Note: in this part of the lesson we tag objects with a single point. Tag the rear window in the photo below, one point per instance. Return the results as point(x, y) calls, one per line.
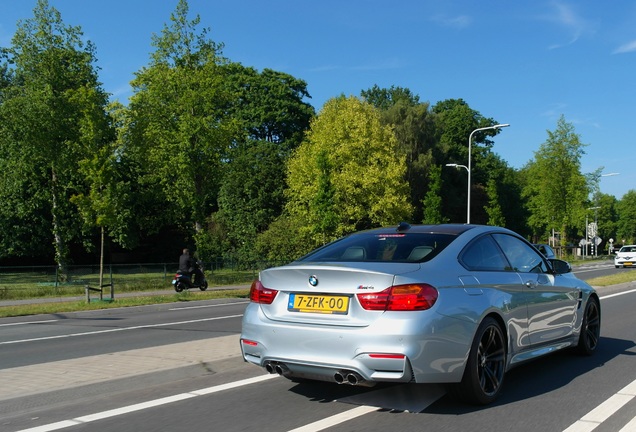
point(394, 247)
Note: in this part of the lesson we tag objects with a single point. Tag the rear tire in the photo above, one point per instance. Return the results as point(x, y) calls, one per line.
point(486, 365)
point(204, 286)
point(590, 328)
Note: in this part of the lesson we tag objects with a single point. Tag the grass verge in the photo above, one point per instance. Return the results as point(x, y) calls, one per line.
point(625, 276)
point(140, 300)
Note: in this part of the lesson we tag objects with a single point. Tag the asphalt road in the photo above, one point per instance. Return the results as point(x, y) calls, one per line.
point(562, 392)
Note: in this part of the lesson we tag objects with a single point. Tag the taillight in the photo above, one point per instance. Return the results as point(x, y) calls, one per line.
point(410, 297)
point(260, 294)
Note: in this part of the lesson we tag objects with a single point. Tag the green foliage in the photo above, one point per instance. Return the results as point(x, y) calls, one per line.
point(454, 122)
point(495, 214)
point(177, 121)
point(626, 228)
point(283, 241)
point(271, 119)
point(366, 174)
point(251, 196)
point(557, 192)
point(53, 119)
point(432, 202)
point(268, 106)
point(606, 218)
point(384, 99)
point(414, 128)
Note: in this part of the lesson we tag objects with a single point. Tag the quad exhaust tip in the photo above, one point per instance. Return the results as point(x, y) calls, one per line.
point(348, 377)
point(276, 368)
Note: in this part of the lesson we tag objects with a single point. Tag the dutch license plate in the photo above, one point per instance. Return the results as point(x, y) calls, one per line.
point(327, 304)
point(628, 263)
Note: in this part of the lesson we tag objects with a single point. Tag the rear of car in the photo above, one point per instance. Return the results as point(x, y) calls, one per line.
point(356, 311)
point(625, 257)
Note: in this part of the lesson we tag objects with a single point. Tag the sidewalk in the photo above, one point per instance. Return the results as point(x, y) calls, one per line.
point(65, 374)
point(59, 375)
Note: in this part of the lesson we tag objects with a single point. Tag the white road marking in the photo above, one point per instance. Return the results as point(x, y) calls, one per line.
point(119, 329)
point(144, 405)
point(27, 322)
point(207, 306)
point(336, 419)
point(618, 294)
point(598, 415)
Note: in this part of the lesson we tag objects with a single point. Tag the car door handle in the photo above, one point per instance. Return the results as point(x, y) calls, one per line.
point(531, 284)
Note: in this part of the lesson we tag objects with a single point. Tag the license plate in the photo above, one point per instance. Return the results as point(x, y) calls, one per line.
point(327, 304)
point(628, 263)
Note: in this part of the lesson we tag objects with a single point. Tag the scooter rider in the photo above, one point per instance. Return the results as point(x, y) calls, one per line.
point(188, 266)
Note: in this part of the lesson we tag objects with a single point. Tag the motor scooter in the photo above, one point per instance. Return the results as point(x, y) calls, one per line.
point(183, 280)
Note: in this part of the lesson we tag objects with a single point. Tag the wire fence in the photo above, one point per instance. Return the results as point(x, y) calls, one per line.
point(26, 282)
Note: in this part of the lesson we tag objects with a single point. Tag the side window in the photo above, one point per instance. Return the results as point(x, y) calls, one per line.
point(522, 257)
point(484, 255)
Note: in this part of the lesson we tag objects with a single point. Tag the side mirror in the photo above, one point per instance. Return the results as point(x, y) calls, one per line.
point(560, 266)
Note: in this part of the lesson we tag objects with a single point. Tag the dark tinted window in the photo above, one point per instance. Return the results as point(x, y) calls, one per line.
point(523, 257)
point(484, 255)
point(394, 247)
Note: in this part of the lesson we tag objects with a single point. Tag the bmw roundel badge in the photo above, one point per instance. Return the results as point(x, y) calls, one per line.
point(313, 280)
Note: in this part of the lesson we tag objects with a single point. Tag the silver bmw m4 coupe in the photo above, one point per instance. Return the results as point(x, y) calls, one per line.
point(455, 304)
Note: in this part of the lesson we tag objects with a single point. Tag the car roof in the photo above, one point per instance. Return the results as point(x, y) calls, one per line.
point(404, 227)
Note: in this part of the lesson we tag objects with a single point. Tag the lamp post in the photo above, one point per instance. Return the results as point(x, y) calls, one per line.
point(468, 168)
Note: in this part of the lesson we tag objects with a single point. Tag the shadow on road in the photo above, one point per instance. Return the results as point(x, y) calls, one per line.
point(526, 381)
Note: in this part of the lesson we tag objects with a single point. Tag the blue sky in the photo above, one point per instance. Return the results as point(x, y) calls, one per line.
point(520, 62)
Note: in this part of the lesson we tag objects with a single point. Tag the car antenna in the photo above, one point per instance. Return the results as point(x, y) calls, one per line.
point(403, 226)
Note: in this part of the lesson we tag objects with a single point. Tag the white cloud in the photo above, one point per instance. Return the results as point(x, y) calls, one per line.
point(565, 16)
point(626, 48)
point(459, 22)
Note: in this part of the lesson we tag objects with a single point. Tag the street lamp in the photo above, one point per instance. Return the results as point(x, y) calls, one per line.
point(468, 168)
point(457, 166)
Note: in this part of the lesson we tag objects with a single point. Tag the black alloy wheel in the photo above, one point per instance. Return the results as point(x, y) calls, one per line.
point(486, 365)
point(591, 327)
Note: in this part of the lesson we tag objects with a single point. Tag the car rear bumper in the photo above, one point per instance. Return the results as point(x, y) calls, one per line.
point(386, 351)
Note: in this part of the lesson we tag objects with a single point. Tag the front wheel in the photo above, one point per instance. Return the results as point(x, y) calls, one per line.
point(486, 365)
point(204, 286)
point(591, 327)
point(179, 287)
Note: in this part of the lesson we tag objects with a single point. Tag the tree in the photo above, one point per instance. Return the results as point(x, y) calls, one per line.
point(348, 145)
point(271, 118)
point(53, 117)
point(606, 217)
point(432, 202)
point(178, 123)
point(495, 214)
point(557, 191)
point(269, 106)
point(454, 122)
point(383, 98)
point(414, 129)
point(251, 197)
point(626, 207)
